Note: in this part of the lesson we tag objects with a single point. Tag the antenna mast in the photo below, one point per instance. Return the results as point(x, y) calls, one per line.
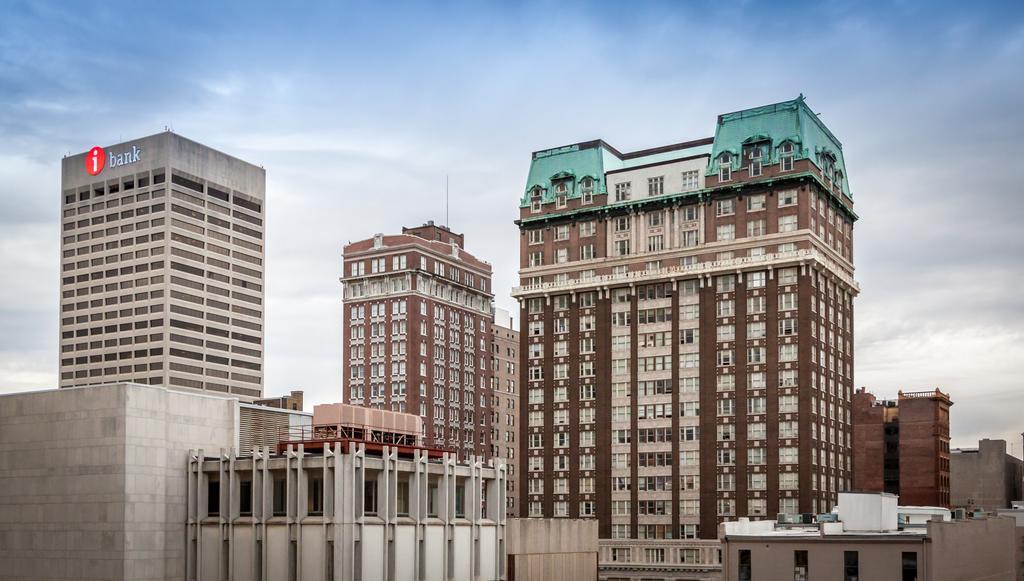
point(446, 224)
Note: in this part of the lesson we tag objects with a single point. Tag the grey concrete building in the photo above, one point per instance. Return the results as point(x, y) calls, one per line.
point(93, 479)
point(986, 477)
point(868, 542)
point(346, 511)
point(162, 264)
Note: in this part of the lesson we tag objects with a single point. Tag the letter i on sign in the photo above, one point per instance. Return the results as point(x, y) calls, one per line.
point(95, 160)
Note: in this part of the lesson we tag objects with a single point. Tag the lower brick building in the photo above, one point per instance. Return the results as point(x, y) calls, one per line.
point(505, 399)
point(901, 446)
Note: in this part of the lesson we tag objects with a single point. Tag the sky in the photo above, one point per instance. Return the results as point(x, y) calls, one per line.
point(358, 111)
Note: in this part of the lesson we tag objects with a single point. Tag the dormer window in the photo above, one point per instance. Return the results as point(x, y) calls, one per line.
point(754, 157)
point(786, 154)
point(560, 201)
point(535, 199)
point(561, 188)
point(587, 189)
point(725, 167)
point(839, 179)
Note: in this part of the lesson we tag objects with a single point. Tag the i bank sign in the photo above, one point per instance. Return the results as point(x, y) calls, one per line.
point(97, 159)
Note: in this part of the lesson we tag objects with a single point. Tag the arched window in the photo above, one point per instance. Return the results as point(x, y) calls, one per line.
point(786, 155)
point(535, 199)
point(587, 189)
point(725, 167)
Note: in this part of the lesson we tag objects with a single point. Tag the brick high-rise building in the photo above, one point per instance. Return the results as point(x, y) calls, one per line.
point(902, 446)
point(505, 400)
point(417, 333)
point(162, 267)
point(687, 328)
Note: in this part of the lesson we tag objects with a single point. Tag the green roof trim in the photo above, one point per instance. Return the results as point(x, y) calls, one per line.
point(775, 124)
point(702, 194)
point(592, 159)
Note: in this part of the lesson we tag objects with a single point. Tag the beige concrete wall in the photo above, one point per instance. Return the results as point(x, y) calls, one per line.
point(93, 481)
point(977, 549)
point(973, 549)
point(879, 560)
point(551, 549)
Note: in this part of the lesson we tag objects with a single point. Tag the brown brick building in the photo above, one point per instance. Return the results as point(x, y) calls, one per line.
point(902, 446)
point(687, 320)
point(417, 333)
point(505, 400)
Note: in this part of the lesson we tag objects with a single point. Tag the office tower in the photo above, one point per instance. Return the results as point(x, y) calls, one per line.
point(505, 399)
point(687, 321)
point(901, 446)
point(417, 333)
point(162, 267)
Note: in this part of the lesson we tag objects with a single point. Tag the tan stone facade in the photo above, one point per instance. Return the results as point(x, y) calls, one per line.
point(162, 264)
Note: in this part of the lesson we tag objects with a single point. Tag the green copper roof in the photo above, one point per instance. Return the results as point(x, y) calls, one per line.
point(593, 159)
point(773, 125)
point(786, 121)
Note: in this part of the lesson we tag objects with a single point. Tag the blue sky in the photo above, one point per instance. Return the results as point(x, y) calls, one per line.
point(358, 110)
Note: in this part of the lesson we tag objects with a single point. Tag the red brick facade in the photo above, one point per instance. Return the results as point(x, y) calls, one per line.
point(417, 333)
point(902, 446)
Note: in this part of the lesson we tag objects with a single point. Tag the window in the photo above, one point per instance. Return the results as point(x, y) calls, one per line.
point(370, 497)
point(745, 565)
point(460, 501)
point(800, 572)
point(245, 498)
point(562, 232)
point(786, 152)
point(725, 232)
point(655, 243)
point(622, 247)
point(622, 224)
point(754, 156)
point(755, 203)
point(725, 207)
point(787, 198)
point(757, 279)
point(691, 180)
point(622, 192)
point(536, 258)
point(315, 496)
point(280, 507)
point(851, 566)
point(213, 498)
point(402, 499)
point(909, 566)
point(756, 228)
point(535, 199)
point(586, 229)
point(725, 167)
point(656, 186)
point(787, 223)
point(587, 189)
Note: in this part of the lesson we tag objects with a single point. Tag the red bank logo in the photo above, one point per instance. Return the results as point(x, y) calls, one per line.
point(95, 160)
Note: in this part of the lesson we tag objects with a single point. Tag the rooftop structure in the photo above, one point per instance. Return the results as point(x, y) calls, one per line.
point(869, 537)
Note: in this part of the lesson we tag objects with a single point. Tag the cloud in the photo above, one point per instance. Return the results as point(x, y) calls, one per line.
point(358, 124)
